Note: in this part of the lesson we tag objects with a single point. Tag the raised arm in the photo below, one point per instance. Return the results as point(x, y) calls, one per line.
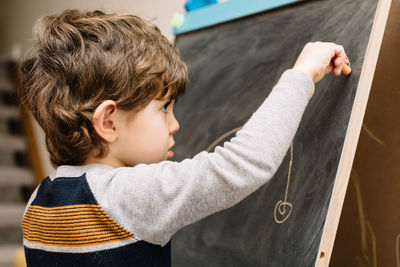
point(154, 201)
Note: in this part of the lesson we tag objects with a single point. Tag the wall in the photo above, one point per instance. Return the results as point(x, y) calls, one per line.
point(18, 16)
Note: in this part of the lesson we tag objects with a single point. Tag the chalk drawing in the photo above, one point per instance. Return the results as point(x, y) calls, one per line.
point(222, 137)
point(283, 209)
point(372, 135)
point(368, 239)
point(398, 250)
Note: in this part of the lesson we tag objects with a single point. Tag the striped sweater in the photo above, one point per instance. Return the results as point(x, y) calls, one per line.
point(97, 215)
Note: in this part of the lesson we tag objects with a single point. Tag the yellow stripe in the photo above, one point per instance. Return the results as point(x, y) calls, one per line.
point(77, 244)
point(93, 222)
point(75, 225)
point(91, 217)
point(103, 227)
point(54, 214)
point(82, 228)
point(81, 241)
point(96, 235)
point(77, 234)
point(35, 228)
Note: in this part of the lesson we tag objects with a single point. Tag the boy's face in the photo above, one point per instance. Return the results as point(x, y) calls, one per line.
point(146, 136)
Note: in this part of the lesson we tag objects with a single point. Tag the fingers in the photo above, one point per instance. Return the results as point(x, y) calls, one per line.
point(339, 59)
point(338, 64)
point(319, 58)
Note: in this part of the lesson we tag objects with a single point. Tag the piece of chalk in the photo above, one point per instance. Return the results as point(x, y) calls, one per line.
point(177, 20)
point(346, 69)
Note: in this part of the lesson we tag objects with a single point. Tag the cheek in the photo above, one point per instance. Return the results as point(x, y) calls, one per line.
point(157, 131)
point(154, 139)
point(154, 151)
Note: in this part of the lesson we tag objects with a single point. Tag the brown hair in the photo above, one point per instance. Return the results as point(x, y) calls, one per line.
point(83, 59)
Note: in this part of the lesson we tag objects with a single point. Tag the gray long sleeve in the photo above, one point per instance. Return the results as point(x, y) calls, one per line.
point(154, 201)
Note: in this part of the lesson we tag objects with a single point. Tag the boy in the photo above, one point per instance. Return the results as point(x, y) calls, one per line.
point(103, 87)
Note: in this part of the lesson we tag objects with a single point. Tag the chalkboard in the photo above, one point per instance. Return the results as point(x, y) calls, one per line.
point(232, 68)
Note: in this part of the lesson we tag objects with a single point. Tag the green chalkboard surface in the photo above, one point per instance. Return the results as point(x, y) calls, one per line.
point(232, 68)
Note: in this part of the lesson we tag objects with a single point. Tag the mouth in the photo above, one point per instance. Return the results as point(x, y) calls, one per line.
point(170, 153)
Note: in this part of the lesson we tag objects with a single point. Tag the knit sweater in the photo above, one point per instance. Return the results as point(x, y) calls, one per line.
point(97, 215)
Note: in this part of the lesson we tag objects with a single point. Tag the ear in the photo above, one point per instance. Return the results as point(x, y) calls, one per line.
point(103, 122)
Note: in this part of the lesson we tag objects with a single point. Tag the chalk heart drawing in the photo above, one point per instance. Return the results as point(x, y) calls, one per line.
point(282, 211)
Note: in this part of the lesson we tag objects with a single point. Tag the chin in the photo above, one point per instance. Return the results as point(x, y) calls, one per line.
point(160, 160)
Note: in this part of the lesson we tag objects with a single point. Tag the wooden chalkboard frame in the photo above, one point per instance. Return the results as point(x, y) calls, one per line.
point(353, 132)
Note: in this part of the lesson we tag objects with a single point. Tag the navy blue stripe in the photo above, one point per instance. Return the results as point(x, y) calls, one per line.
point(140, 254)
point(64, 191)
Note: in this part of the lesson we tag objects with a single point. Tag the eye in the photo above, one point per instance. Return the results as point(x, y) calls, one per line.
point(165, 107)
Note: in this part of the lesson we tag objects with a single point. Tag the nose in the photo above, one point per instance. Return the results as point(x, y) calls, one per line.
point(173, 125)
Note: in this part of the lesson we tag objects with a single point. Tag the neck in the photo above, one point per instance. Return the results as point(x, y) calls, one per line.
point(107, 160)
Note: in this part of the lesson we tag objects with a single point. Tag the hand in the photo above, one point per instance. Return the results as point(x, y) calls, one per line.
point(318, 59)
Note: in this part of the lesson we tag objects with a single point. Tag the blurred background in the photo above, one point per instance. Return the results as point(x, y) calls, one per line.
point(23, 156)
